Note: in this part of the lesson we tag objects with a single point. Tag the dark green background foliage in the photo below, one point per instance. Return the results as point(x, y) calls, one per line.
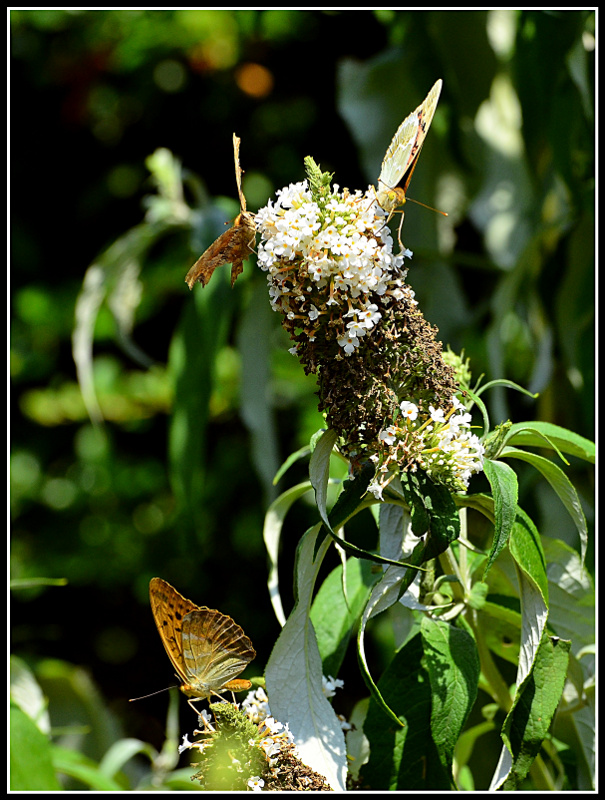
point(176, 482)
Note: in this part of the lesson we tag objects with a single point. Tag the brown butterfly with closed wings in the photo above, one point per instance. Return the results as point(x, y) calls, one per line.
point(232, 247)
point(207, 648)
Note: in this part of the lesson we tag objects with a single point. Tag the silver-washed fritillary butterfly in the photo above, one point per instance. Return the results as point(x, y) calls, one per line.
point(207, 648)
point(402, 155)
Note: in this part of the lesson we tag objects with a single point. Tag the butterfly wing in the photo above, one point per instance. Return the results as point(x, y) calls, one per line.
point(425, 113)
point(215, 650)
point(397, 157)
point(233, 246)
point(402, 154)
point(169, 610)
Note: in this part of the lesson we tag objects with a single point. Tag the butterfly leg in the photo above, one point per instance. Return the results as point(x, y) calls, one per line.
point(250, 243)
point(399, 231)
point(191, 701)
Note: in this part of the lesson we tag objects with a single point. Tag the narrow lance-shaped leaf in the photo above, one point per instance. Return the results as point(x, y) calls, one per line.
point(545, 434)
point(274, 520)
point(503, 481)
point(563, 487)
point(527, 723)
point(452, 662)
point(387, 591)
point(525, 548)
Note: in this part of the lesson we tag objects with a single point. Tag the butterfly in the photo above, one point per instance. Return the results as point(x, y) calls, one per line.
point(231, 247)
point(402, 155)
point(207, 648)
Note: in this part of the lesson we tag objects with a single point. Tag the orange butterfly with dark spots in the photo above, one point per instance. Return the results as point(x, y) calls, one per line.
point(232, 247)
point(207, 649)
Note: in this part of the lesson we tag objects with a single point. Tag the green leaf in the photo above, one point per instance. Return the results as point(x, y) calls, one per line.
point(29, 583)
point(26, 693)
point(31, 767)
point(200, 335)
point(545, 434)
point(303, 452)
point(563, 487)
point(403, 755)
point(433, 510)
point(503, 482)
point(571, 594)
point(482, 407)
point(526, 549)
point(319, 472)
point(385, 593)
point(121, 752)
point(75, 697)
point(509, 384)
point(527, 723)
point(254, 344)
point(500, 628)
point(294, 674)
point(444, 519)
point(335, 615)
point(114, 274)
point(413, 496)
point(274, 520)
point(452, 663)
point(78, 766)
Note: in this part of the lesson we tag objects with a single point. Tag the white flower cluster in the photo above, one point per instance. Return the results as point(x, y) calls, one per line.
point(331, 262)
point(442, 445)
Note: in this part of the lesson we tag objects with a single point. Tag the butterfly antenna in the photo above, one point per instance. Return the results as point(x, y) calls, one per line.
point(424, 205)
point(159, 691)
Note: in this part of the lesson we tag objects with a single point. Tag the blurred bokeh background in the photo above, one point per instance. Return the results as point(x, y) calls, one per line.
point(200, 400)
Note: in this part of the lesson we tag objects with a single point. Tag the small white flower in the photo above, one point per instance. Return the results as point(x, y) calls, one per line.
point(375, 488)
point(349, 343)
point(409, 410)
point(437, 414)
point(371, 316)
point(271, 747)
point(356, 328)
point(388, 435)
point(330, 685)
point(256, 784)
point(273, 725)
point(460, 420)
